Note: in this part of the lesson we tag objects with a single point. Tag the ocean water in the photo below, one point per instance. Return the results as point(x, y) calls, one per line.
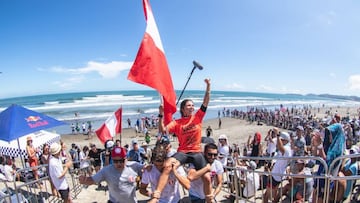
point(97, 106)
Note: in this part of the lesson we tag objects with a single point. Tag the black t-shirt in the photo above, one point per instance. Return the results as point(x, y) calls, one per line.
point(95, 155)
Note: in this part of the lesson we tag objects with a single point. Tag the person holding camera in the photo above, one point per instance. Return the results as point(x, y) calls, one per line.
point(279, 167)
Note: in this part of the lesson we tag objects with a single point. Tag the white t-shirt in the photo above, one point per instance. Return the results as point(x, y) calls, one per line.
point(83, 161)
point(224, 152)
point(197, 188)
point(252, 184)
point(171, 192)
point(8, 172)
point(55, 170)
point(271, 146)
point(281, 164)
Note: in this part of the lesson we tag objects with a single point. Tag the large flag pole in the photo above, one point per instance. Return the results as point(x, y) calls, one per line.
point(120, 130)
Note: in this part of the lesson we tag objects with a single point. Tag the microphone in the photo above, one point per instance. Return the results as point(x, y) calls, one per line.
point(197, 65)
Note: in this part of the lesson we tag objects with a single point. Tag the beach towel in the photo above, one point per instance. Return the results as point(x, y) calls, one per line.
point(337, 146)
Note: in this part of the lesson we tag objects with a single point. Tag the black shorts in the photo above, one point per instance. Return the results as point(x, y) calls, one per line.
point(196, 158)
point(96, 163)
point(273, 183)
point(64, 194)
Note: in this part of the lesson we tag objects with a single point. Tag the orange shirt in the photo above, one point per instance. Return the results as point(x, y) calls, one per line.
point(188, 131)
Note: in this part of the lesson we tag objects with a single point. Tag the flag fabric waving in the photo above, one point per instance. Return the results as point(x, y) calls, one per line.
point(111, 127)
point(150, 66)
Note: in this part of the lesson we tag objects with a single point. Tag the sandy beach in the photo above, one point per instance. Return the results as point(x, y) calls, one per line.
point(237, 131)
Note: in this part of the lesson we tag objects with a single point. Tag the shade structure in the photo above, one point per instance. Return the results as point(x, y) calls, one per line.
point(17, 147)
point(17, 121)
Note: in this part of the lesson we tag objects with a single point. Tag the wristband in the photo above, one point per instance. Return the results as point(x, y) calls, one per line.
point(160, 116)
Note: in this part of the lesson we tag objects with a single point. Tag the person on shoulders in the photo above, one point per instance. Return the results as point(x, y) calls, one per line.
point(188, 130)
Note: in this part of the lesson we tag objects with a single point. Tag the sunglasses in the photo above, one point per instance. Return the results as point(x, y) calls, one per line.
point(159, 160)
point(222, 139)
point(212, 154)
point(119, 161)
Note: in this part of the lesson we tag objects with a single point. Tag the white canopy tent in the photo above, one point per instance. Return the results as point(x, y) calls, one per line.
point(17, 147)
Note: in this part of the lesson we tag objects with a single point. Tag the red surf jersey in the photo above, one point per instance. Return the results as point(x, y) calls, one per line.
point(188, 131)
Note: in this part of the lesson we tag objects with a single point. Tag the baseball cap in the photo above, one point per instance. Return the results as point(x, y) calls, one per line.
point(252, 165)
point(134, 141)
point(299, 127)
point(109, 144)
point(164, 140)
point(144, 144)
point(354, 150)
point(118, 152)
point(285, 136)
point(299, 161)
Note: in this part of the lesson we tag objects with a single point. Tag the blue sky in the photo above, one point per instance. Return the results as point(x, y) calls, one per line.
point(301, 46)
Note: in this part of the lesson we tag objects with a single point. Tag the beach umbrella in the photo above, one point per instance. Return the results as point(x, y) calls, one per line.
point(16, 149)
point(16, 121)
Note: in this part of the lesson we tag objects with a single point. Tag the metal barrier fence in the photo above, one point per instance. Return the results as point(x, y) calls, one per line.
point(306, 185)
point(237, 179)
point(27, 189)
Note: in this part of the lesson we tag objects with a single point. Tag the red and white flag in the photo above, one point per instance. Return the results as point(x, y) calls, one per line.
point(150, 67)
point(111, 127)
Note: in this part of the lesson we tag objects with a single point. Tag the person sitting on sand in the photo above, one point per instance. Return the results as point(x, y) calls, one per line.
point(188, 130)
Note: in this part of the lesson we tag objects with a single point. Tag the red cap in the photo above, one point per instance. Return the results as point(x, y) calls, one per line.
point(118, 152)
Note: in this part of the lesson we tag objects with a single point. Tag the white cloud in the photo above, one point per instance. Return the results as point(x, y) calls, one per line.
point(234, 86)
point(106, 70)
point(265, 88)
point(327, 18)
point(333, 75)
point(69, 83)
point(354, 82)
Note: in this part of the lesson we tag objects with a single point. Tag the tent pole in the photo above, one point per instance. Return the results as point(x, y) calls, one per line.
point(21, 158)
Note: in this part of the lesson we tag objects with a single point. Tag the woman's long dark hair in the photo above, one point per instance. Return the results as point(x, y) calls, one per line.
point(182, 105)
